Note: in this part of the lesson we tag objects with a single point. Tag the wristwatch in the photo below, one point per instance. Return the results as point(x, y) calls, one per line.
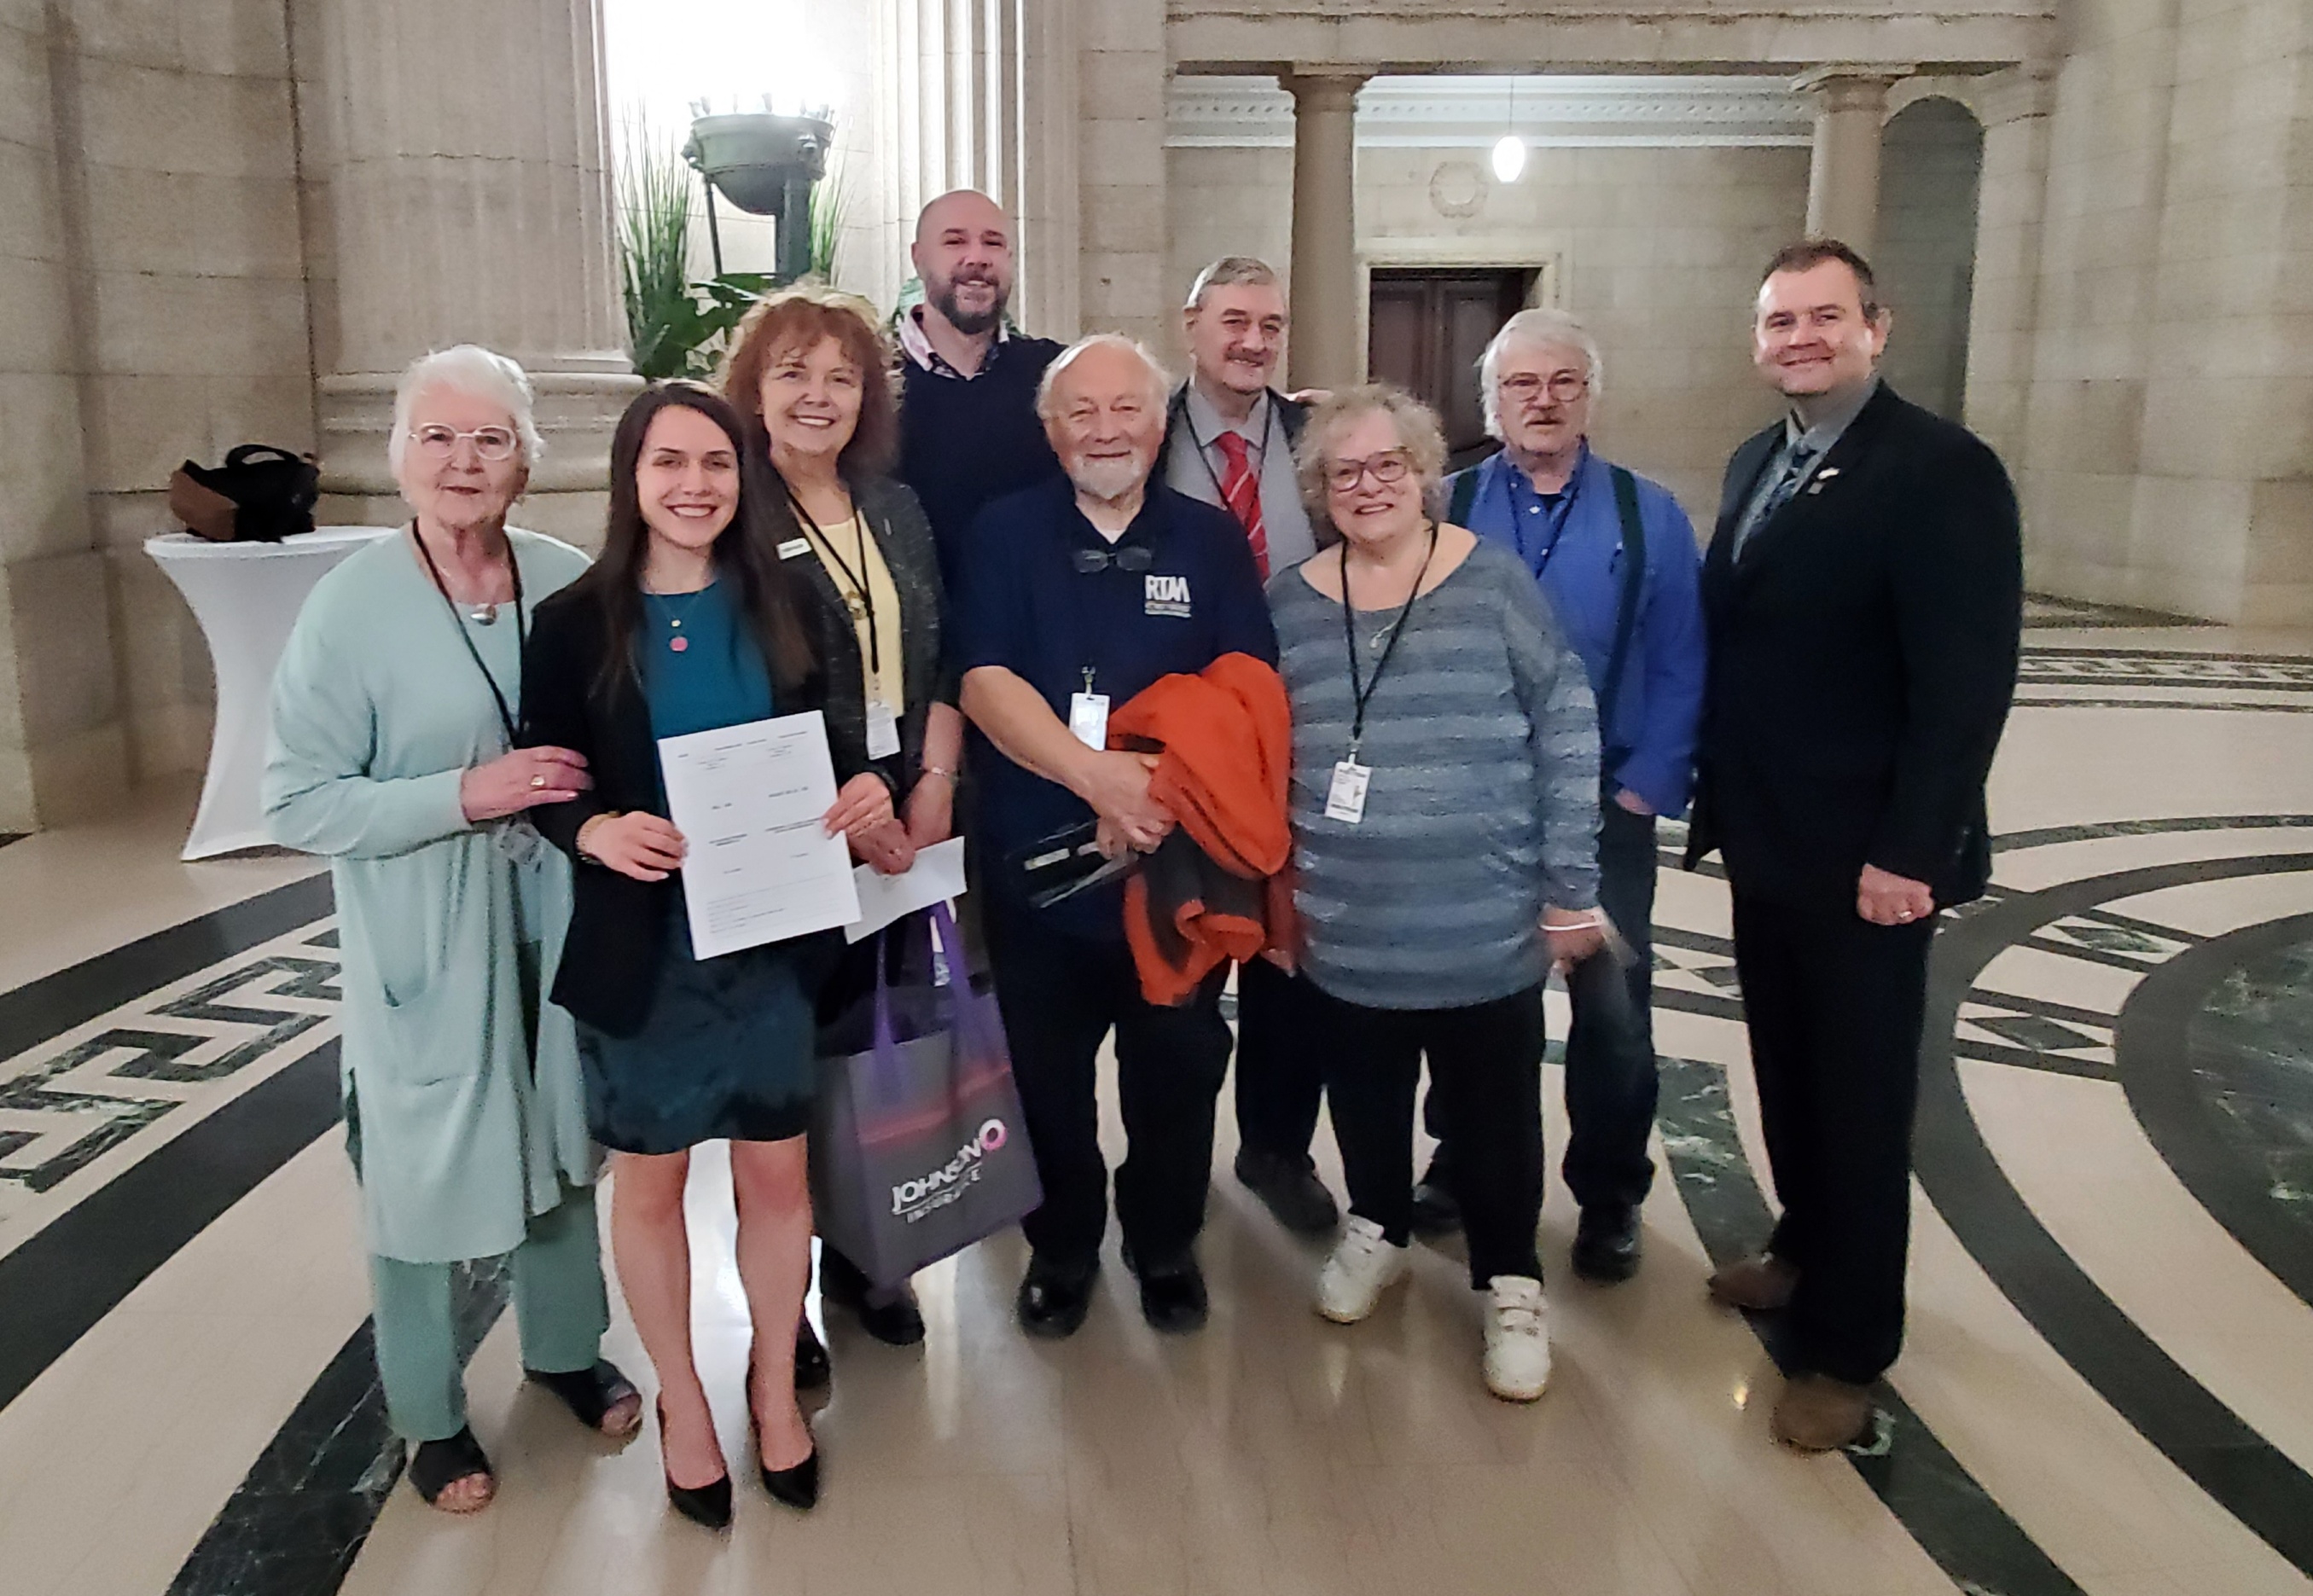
point(583, 851)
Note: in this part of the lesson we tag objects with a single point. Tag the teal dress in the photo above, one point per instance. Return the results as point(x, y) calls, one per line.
point(727, 1049)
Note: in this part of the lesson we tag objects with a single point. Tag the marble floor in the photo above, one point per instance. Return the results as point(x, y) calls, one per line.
point(2107, 1387)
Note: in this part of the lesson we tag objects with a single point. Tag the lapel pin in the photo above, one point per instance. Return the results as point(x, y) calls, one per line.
point(1822, 477)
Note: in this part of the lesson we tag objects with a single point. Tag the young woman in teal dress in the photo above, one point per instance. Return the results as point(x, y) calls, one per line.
point(688, 623)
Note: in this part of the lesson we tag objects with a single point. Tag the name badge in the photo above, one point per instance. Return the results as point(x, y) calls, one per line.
point(1088, 718)
point(794, 546)
point(1345, 800)
point(883, 730)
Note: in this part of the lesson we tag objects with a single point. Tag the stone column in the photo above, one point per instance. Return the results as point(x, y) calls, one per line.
point(62, 749)
point(1843, 180)
point(1326, 315)
point(982, 93)
point(2017, 109)
point(457, 161)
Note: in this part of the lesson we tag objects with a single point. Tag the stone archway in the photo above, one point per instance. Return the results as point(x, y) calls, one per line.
point(1931, 165)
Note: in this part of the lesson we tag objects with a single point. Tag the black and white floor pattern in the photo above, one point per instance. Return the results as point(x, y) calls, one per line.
point(2108, 1386)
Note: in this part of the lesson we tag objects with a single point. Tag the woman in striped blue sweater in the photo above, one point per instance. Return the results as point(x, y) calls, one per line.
point(1446, 813)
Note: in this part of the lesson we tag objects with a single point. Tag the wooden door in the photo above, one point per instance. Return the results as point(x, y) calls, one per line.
point(1425, 330)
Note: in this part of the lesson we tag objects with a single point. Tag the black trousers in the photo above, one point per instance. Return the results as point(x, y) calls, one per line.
point(1281, 1075)
point(1610, 1079)
point(1060, 995)
point(1835, 1005)
point(1486, 1081)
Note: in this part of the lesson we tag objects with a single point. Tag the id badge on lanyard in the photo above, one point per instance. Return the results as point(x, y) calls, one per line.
point(883, 730)
point(1088, 715)
point(1345, 800)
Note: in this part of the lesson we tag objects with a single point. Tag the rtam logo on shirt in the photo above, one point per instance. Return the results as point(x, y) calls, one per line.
point(1167, 595)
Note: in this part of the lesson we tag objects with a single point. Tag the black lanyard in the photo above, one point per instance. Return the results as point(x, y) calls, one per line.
point(1259, 467)
point(457, 620)
point(824, 545)
point(1361, 693)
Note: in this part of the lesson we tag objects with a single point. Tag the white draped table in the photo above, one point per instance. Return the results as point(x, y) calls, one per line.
point(246, 597)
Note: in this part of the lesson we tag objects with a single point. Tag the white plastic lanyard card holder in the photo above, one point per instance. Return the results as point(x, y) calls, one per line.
point(1088, 715)
point(883, 730)
point(1345, 799)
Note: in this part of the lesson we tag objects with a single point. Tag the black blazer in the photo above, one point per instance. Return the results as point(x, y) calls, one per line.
point(1862, 657)
point(618, 925)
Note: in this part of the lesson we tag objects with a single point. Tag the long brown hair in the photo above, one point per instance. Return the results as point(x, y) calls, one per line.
point(797, 320)
point(746, 552)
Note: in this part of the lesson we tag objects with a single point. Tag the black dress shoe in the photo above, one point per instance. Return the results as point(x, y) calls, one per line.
point(1435, 1213)
point(1172, 1294)
point(1290, 1189)
point(891, 1316)
point(813, 1370)
point(1607, 1244)
point(709, 1504)
point(797, 1487)
point(1055, 1297)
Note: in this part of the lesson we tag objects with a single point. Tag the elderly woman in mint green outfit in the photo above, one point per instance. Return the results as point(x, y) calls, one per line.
point(393, 719)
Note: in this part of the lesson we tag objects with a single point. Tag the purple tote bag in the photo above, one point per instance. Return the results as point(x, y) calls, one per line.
point(917, 1145)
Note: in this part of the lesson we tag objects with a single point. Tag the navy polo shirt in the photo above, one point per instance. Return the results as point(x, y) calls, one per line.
point(1021, 604)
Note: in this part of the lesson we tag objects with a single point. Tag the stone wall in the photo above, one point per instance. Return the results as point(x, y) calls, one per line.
point(1657, 248)
point(2167, 423)
point(156, 310)
point(1925, 253)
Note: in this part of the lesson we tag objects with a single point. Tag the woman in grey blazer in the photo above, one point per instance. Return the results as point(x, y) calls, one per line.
point(813, 371)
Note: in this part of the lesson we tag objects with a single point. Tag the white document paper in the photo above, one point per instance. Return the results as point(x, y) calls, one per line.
point(936, 876)
point(749, 801)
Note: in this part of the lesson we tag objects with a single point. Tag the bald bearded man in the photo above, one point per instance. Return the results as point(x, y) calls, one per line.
point(968, 426)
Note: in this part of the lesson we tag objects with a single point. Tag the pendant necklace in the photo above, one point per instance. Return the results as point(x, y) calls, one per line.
point(676, 642)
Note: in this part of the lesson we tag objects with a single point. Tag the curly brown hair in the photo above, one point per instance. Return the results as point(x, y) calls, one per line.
point(795, 321)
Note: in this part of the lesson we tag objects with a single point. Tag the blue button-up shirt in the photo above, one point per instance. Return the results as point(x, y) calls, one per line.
point(1573, 544)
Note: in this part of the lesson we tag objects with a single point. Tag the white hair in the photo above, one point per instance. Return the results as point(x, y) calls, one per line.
point(1160, 381)
point(478, 372)
point(1559, 329)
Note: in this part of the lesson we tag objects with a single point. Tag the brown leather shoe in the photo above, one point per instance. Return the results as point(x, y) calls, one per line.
point(1816, 1413)
point(1762, 1283)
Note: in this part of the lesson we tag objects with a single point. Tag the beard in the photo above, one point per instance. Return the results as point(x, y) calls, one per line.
point(971, 323)
point(1107, 480)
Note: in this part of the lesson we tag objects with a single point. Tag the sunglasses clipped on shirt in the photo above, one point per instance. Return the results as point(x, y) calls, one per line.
point(1132, 557)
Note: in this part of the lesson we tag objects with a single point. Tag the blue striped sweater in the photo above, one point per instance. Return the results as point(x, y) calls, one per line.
point(1483, 803)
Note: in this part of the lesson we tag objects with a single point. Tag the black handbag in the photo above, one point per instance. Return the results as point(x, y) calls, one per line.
point(260, 494)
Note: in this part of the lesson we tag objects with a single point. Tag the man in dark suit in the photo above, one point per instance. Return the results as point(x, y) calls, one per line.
point(1864, 597)
point(1228, 441)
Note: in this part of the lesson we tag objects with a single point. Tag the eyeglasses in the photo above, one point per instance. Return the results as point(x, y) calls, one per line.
point(1342, 476)
point(437, 442)
point(1563, 389)
point(1132, 557)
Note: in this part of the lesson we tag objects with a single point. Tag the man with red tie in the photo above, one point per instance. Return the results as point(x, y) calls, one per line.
point(1228, 441)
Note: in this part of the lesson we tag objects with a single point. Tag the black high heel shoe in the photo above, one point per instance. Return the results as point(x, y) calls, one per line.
point(709, 1504)
point(796, 1488)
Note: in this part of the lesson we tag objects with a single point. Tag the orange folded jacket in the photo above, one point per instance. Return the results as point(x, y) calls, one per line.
point(1213, 890)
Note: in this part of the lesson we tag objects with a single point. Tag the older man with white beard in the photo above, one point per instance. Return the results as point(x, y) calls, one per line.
point(1071, 597)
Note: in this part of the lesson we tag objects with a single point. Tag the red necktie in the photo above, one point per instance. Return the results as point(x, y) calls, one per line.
point(1241, 491)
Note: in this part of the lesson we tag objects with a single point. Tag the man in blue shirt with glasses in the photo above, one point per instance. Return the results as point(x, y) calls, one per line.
point(1617, 560)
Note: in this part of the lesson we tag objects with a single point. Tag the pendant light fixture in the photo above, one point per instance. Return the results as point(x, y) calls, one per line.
point(1510, 150)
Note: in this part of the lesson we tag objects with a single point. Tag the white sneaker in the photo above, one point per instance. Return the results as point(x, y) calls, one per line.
point(1364, 1265)
point(1517, 1339)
